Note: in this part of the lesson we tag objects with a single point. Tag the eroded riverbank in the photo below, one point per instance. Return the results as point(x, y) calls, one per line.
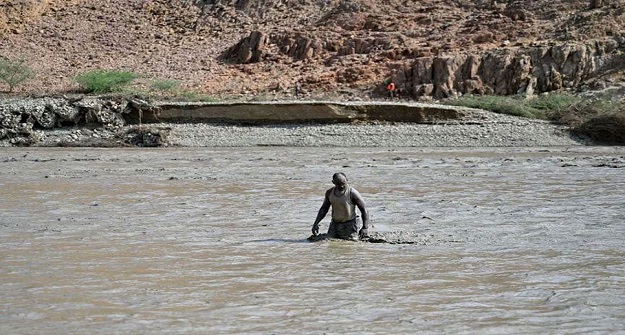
point(94, 122)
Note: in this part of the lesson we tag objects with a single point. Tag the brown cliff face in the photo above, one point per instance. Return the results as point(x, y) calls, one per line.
point(430, 48)
point(507, 71)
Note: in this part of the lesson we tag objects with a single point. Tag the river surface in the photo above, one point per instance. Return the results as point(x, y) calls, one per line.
point(213, 241)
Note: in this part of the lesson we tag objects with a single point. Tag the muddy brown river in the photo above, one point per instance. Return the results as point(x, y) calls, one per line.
point(213, 241)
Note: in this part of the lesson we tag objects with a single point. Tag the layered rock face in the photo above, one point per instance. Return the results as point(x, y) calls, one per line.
point(501, 71)
point(512, 71)
point(573, 50)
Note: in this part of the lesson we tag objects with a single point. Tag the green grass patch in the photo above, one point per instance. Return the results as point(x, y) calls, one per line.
point(165, 85)
point(541, 107)
point(551, 103)
point(499, 104)
point(105, 81)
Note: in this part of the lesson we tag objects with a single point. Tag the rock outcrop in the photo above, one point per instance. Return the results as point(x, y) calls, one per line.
point(500, 71)
point(22, 120)
point(511, 71)
point(246, 49)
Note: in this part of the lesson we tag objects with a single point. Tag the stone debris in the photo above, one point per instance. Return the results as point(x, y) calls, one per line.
point(72, 121)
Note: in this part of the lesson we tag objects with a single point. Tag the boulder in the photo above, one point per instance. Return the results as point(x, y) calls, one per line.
point(250, 49)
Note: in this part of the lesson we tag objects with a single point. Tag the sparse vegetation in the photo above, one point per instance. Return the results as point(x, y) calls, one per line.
point(553, 103)
point(105, 81)
point(194, 96)
point(165, 85)
point(15, 72)
point(545, 107)
point(601, 118)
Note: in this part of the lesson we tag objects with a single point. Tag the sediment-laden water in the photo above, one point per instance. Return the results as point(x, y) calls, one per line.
point(213, 241)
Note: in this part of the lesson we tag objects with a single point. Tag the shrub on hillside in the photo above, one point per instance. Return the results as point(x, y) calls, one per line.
point(15, 72)
point(606, 129)
point(602, 120)
point(105, 81)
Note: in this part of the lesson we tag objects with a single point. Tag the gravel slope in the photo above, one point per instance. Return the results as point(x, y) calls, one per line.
point(485, 129)
point(515, 133)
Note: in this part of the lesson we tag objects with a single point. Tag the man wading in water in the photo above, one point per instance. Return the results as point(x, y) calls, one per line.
point(343, 200)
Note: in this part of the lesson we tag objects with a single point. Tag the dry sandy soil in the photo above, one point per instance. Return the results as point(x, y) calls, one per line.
point(176, 40)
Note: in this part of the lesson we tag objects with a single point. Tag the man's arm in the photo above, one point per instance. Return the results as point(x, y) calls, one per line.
point(360, 203)
point(323, 211)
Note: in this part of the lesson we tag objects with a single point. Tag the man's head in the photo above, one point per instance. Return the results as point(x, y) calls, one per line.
point(339, 179)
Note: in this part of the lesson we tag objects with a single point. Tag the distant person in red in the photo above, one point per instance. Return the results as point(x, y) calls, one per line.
point(391, 89)
point(345, 222)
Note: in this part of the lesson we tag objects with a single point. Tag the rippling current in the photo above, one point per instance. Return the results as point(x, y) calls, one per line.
point(213, 241)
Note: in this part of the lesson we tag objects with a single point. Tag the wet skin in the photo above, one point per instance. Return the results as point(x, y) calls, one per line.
point(340, 182)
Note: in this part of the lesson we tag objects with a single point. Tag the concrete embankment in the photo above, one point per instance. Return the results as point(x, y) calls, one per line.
point(301, 112)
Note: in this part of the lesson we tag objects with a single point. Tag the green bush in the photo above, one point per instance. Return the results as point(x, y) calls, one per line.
point(601, 120)
point(605, 128)
point(15, 72)
point(104, 81)
point(586, 109)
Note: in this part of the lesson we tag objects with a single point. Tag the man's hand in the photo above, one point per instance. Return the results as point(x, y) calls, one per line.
point(364, 233)
point(315, 229)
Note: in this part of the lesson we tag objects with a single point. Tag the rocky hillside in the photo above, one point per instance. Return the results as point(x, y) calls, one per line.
point(347, 48)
